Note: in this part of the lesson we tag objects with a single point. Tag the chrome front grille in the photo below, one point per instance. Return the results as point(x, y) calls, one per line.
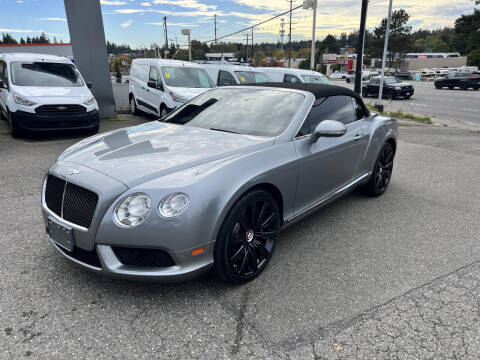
point(70, 202)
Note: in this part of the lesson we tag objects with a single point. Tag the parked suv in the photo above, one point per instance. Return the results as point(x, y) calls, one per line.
point(44, 92)
point(392, 88)
point(225, 74)
point(159, 86)
point(463, 80)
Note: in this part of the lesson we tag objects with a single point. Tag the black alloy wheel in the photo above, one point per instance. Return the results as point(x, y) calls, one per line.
point(247, 238)
point(364, 93)
point(382, 172)
point(15, 130)
point(463, 86)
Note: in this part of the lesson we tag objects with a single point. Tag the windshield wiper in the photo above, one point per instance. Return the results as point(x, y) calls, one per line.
point(228, 131)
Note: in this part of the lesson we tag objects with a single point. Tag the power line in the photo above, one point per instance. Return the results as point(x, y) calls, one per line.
point(256, 25)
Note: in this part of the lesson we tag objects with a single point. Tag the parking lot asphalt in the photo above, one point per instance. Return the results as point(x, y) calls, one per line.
point(453, 107)
point(390, 277)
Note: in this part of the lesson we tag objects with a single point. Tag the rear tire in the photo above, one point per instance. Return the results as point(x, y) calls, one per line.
point(382, 172)
point(476, 87)
point(364, 93)
point(390, 95)
point(463, 87)
point(450, 87)
point(247, 239)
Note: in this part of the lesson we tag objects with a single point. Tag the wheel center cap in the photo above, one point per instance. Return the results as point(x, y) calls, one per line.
point(249, 235)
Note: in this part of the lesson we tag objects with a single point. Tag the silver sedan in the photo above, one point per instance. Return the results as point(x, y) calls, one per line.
point(213, 183)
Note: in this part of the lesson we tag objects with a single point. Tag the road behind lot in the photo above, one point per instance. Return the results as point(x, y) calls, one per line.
point(390, 277)
point(454, 107)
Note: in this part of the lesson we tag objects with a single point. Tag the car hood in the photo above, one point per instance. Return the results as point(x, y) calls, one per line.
point(141, 153)
point(39, 91)
point(188, 93)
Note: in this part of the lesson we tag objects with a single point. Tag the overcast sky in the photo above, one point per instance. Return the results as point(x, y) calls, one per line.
point(138, 22)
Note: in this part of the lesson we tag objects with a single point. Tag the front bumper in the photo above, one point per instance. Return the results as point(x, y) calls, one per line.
point(102, 260)
point(35, 122)
point(404, 92)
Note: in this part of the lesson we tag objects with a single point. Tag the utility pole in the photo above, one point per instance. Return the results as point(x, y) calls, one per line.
point(215, 22)
point(166, 35)
point(252, 44)
point(282, 32)
point(361, 47)
point(247, 48)
point(312, 4)
point(290, 35)
point(384, 59)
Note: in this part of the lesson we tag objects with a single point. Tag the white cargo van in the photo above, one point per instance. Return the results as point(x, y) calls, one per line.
point(224, 74)
point(278, 74)
point(44, 92)
point(158, 86)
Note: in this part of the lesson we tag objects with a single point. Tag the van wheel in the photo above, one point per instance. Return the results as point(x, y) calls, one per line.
point(15, 130)
point(163, 111)
point(133, 106)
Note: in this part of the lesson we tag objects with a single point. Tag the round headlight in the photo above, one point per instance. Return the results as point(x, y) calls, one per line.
point(132, 210)
point(173, 205)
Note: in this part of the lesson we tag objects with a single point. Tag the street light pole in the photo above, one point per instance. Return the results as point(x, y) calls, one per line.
point(384, 59)
point(188, 32)
point(361, 48)
point(312, 56)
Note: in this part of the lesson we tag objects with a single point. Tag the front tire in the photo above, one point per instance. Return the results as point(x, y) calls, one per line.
point(247, 238)
point(364, 93)
point(15, 130)
point(382, 172)
point(163, 111)
point(133, 106)
point(390, 95)
point(463, 87)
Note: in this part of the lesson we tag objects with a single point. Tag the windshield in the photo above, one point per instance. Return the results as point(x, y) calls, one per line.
point(186, 77)
point(391, 80)
point(259, 112)
point(46, 74)
point(252, 77)
point(316, 79)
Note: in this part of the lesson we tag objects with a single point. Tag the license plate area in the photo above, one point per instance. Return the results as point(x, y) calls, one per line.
point(62, 235)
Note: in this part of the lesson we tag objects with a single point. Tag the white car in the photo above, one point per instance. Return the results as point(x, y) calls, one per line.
point(45, 92)
point(279, 74)
point(225, 75)
point(338, 75)
point(159, 86)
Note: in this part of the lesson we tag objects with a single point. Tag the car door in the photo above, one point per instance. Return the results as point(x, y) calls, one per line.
point(141, 94)
point(154, 96)
point(331, 163)
point(373, 86)
point(4, 89)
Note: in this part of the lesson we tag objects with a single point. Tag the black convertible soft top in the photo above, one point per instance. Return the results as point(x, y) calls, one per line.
point(318, 90)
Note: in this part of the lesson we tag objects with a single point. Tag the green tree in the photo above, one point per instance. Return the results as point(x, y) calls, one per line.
point(330, 45)
point(400, 40)
point(474, 58)
point(8, 39)
point(467, 32)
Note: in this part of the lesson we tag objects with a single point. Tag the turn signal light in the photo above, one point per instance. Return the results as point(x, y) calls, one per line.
point(198, 251)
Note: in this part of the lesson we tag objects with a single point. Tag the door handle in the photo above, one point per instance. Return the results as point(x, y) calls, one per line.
point(357, 137)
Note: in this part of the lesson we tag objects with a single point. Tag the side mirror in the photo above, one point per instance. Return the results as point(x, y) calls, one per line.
point(89, 84)
point(328, 128)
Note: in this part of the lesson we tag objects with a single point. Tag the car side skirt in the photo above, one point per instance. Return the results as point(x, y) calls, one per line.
point(340, 192)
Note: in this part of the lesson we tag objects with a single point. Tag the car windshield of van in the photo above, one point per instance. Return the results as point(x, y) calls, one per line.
point(48, 74)
point(252, 77)
point(258, 112)
point(186, 77)
point(316, 79)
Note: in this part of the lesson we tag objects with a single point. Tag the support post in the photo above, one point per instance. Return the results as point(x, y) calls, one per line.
point(87, 36)
point(384, 59)
point(361, 47)
point(312, 56)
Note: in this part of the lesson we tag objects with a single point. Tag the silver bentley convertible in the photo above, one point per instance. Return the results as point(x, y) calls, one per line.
point(214, 182)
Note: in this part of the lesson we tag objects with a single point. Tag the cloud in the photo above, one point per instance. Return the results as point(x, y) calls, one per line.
point(173, 24)
point(53, 19)
point(145, 4)
point(126, 24)
point(113, 2)
point(189, 4)
point(19, 1)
